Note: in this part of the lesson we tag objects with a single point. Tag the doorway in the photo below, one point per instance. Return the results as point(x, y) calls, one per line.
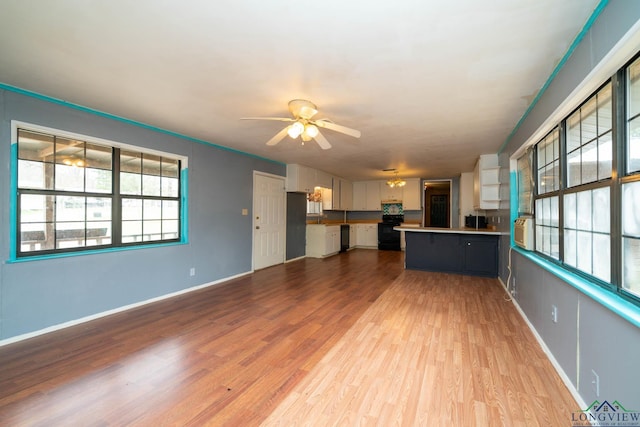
point(269, 220)
point(437, 203)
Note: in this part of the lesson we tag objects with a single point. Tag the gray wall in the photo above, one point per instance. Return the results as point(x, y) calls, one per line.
point(43, 293)
point(588, 336)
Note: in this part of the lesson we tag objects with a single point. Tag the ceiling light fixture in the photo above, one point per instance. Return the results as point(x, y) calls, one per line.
point(396, 181)
point(296, 129)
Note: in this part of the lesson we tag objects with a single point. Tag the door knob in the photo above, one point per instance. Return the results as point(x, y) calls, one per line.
point(257, 227)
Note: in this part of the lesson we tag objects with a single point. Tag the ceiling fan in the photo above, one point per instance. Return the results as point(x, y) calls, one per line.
point(303, 126)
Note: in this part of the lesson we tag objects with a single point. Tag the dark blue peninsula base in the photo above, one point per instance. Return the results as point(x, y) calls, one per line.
point(460, 251)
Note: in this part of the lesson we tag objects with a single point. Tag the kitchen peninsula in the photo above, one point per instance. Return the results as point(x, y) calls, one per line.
point(452, 250)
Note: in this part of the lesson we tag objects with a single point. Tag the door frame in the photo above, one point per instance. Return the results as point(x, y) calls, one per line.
point(426, 182)
point(256, 174)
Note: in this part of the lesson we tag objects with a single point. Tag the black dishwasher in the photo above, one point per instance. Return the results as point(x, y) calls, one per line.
point(344, 237)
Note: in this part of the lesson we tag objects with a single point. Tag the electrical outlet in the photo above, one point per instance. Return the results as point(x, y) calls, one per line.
point(595, 383)
point(192, 271)
point(554, 314)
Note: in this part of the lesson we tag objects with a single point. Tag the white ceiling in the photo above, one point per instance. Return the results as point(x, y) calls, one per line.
point(431, 84)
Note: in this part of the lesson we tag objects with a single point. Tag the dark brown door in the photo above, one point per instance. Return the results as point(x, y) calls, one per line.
point(439, 212)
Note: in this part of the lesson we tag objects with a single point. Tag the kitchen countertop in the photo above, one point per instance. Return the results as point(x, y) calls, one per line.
point(462, 230)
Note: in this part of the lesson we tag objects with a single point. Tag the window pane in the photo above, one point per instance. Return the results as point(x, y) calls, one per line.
point(170, 209)
point(570, 219)
point(69, 152)
point(546, 240)
point(131, 231)
point(170, 229)
point(98, 157)
point(36, 208)
point(35, 175)
point(170, 187)
point(605, 148)
point(633, 150)
point(584, 246)
point(604, 109)
point(589, 126)
point(589, 162)
point(573, 132)
point(631, 265)
point(555, 243)
point(602, 257)
point(35, 146)
point(541, 150)
point(98, 180)
point(631, 209)
point(98, 233)
point(601, 211)
point(150, 185)
point(633, 77)
point(152, 209)
point(131, 209)
point(570, 242)
point(553, 212)
point(170, 168)
point(151, 230)
point(69, 178)
point(98, 208)
point(573, 169)
point(539, 238)
point(70, 234)
point(130, 162)
point(130, 183)
point(584, 210)
point(70, 208)
point(36, 237)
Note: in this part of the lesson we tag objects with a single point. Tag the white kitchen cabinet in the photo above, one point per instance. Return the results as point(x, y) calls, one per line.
point(390, 194)
point(366, 196)
point(322, 240)
point(486, 182)
point(367, 235)
point(303, 179)
point(353, 236)
point(412, 195)
point(342, 195)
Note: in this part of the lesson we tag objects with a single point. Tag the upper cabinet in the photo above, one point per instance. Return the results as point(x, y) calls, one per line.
point(486, 182)
point(342, 194)
point(411, 195)
point(366, 196)
point(303, 179)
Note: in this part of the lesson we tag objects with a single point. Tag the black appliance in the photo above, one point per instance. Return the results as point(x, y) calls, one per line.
point(471, 221)
point(344, 237)
point(388, 238)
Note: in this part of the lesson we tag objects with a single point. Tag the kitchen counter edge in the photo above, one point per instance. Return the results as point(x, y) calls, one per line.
point(451, 230)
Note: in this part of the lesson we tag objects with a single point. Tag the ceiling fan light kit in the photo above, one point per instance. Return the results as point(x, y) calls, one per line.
point(305, 128)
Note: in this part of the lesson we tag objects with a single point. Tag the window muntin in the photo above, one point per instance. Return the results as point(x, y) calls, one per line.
point(547, 227)
point(66, 195)
point(589, 140)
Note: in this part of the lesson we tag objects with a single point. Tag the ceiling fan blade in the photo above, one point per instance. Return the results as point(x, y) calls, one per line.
point(278, 137)
point(280, 119)
point(322, 141)
point(326, 124)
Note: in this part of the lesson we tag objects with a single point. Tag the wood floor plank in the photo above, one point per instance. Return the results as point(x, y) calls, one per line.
point(349, 340)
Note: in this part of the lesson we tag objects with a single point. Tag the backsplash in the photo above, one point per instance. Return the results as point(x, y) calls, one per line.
point(392, 209)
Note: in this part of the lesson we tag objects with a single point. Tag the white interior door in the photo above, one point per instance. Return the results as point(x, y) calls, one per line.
point(269, 220)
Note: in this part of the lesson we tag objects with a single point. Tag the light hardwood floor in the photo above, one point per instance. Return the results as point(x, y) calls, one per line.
point(349, 340)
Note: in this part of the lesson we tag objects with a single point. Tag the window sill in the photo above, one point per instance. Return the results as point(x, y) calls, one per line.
point(91, 252)
point(613, 302)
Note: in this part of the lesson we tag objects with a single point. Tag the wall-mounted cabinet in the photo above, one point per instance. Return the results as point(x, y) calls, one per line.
point(366, 196)
point(411, 195)
point(390, 193)
point(486, 182)
point(342, 194)
point(303, 179)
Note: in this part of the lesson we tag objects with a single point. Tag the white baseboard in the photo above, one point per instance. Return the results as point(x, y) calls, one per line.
point(574, 392)
point(295, 259)
point(115, 310)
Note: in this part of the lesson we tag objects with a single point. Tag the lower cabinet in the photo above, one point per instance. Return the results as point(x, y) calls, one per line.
point(472, 254)
point(367, 235)
point(322, 240)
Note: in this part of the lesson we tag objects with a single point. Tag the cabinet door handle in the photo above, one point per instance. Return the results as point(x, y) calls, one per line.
point(468, 243)
point(257, 227)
